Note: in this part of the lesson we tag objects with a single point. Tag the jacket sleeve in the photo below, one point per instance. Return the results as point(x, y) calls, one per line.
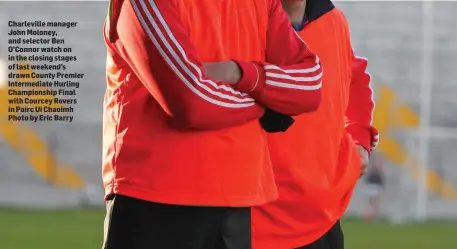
point(290, 81)
point(359, 113)
point(151, 38)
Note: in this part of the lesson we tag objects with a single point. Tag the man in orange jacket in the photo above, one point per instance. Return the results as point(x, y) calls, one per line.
point(319, 160)
point(184, 154)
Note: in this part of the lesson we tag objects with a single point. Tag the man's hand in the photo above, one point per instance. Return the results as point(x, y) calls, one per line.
point(364, 159)
point(227, 71)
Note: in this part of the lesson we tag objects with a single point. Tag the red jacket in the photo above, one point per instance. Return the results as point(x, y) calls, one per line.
point(359, 112)
point(173, 135)
point(316, 162)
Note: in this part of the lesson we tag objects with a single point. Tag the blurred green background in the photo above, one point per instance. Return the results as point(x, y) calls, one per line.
point(83, 230)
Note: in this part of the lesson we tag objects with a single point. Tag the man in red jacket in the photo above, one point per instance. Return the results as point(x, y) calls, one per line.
point(184, 154)
point(319, 160)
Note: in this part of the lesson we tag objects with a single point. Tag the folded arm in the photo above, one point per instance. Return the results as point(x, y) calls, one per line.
point(290, 80)
point(156, 45)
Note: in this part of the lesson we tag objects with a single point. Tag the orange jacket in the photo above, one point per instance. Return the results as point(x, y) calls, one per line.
point(173, 135)
point(315, 163)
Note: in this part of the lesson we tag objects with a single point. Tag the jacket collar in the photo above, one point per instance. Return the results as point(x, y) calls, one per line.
point(317, 8)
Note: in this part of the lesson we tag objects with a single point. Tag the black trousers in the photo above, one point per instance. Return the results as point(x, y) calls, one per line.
point(333, 239)
point(136, 224)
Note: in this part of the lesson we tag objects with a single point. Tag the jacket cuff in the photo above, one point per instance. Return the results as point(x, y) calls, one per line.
point(252, 79)
point(360, 135)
